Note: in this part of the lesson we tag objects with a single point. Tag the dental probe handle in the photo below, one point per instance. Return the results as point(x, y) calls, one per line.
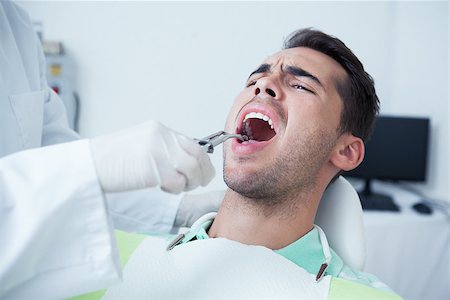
point(218, 138)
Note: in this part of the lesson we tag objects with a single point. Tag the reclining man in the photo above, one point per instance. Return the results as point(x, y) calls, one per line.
point(307, 110)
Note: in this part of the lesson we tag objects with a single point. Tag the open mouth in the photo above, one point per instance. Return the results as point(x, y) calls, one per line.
point(258, 127)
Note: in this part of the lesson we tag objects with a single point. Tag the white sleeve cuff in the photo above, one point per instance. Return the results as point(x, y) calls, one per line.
point(143, 211)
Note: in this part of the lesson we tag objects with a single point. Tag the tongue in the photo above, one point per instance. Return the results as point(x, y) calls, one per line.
point(261, 130)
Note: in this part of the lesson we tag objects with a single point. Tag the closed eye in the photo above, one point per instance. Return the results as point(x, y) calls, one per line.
point(250, 83)
point(302, 87)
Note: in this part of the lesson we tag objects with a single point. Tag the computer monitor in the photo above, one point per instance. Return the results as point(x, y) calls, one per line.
point(397, 150)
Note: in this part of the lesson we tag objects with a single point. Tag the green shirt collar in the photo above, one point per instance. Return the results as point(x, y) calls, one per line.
point(306, 252)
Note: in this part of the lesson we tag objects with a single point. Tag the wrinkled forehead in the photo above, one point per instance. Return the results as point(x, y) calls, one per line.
point(320, 65)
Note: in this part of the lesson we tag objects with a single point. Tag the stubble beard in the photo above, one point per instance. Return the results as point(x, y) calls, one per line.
point(285, 178)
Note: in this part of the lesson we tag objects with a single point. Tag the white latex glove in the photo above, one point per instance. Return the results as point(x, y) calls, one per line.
point(150, 155)
point(192, 207)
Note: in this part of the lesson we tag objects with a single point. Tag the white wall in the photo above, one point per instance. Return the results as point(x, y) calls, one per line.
point(183, 63)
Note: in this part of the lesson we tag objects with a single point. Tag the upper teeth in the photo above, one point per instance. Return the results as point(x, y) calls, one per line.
point(257, 115)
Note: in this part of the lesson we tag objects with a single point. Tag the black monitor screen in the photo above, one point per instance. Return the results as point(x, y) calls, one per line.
point(397, 150)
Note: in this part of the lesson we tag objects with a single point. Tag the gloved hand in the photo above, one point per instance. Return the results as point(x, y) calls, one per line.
point(192, 207)
point(150, 155)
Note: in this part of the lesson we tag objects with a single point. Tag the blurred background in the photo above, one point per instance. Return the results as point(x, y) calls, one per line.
point(116, 64)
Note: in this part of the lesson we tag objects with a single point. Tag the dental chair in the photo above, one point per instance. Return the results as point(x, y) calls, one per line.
point(340, 216)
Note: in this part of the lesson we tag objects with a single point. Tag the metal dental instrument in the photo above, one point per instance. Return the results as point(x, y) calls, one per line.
point(218, 138)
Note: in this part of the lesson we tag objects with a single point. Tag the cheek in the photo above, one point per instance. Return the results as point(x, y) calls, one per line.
point(230, 122)
point(314, 113)
point(309, 119)
point(239, 102)
point(331, 118)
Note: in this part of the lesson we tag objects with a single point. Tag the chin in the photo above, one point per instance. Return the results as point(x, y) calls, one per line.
point(250, 184)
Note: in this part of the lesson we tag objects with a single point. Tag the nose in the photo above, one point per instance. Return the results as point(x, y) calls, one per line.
point(266, 85)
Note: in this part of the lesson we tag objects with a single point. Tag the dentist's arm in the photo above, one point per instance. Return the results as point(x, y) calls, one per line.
point(151, 155)
point(55, 235)
point(55, 238)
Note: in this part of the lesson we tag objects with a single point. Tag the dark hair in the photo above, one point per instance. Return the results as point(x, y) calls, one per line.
point(360, 101)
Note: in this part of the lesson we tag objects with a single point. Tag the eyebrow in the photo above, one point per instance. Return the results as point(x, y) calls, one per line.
point(299, 72)
point(261, 69)
point(296, 71)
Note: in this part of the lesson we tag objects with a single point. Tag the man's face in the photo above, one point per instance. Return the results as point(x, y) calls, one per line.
point(290, 109)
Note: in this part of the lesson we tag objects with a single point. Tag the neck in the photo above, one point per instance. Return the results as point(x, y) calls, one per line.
point(251, 222)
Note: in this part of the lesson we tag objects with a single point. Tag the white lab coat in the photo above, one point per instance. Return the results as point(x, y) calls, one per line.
point(31, 114)
point(55, 238)
point(54, 234)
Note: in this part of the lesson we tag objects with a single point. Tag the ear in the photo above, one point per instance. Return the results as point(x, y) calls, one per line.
point(348, 152)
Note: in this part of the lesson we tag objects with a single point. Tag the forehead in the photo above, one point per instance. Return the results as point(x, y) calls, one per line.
point(318, 64)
